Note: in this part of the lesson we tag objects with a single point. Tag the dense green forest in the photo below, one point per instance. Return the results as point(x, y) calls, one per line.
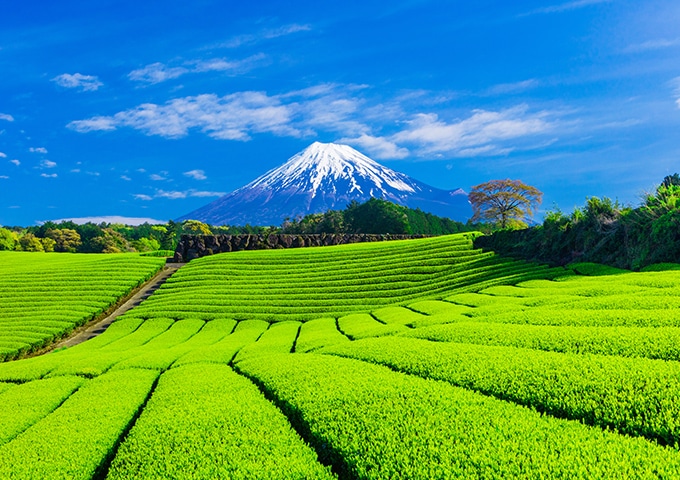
point(105, 237)
point(603, 231)
point(373, 216)
point(377, 216)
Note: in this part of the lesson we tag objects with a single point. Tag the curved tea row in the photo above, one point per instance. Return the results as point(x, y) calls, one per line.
point(46, 296)
point(500, 374)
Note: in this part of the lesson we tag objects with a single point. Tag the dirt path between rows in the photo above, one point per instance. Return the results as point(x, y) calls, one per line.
point(142, 294)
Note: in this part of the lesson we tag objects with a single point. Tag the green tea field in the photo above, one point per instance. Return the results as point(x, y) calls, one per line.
point(45, 296)
point(415, 359)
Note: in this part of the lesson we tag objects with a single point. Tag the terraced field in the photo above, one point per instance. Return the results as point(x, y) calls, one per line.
point(45, 296)
point(304, 284)
point(500, 370)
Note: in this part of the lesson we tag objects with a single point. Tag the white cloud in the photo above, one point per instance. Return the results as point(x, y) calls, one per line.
point(126, 178)
point(214, 65)
point(323, 89)
point(86, 83)
point(6, 117)
point(133, 221)
point(48, 164)
point(232, 117)
point(631, 122)
point(15, 162)
point(156, 73)
point(173, 195)
point(203, 193)
point(267, 34)
point(224, 65)
point(336, 114)
point(48, 175)
point(156, 177)
point(93, 124)
point(159, 72)
point(178, 194)
point(649, 45)
point(377, 147)
point(3, 155)
point(4, 177)
point(341, 109)
point(480, 134)
point(239, 115)
point(196, 174)
point(75, 170)
point(483, 151)
point(564, 7)
point(675, 83)
point(507, 88)
point(37, 150)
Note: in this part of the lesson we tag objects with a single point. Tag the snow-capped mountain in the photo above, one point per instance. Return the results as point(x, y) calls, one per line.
point(326, 176)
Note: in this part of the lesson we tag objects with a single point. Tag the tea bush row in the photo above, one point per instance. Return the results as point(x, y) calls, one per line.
point(205, 421)
point(372, 423)
point(71, 288)
point(633, 396)
point(77, 439)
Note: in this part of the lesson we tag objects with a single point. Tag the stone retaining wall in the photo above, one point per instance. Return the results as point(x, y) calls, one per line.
point(196, 246)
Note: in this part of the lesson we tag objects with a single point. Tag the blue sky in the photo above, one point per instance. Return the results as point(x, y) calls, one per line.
point(151, 109)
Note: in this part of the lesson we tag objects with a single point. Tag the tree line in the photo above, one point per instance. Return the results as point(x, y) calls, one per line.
point(68, 236)
point(602, 231)
point(374, 216)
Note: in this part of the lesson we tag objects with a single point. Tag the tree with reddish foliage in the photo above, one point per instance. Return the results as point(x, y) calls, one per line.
point(508, 203)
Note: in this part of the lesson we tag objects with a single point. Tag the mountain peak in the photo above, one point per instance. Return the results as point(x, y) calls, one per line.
point(319, 152)
point(321, 163)
point(326, 176)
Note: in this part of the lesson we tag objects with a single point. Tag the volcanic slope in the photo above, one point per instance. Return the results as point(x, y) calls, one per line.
point(326, 176)
point(502, 374)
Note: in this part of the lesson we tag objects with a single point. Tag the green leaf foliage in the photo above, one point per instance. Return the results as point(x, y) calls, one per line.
point(497, 368)
point(633, 396)
point(206, 422)
point(75, 440)
point(45, 297)
point(603, 231)
point(372, 423)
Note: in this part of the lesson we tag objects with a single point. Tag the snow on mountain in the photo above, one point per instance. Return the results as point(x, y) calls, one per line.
point(326, 176)
point(322, 163)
